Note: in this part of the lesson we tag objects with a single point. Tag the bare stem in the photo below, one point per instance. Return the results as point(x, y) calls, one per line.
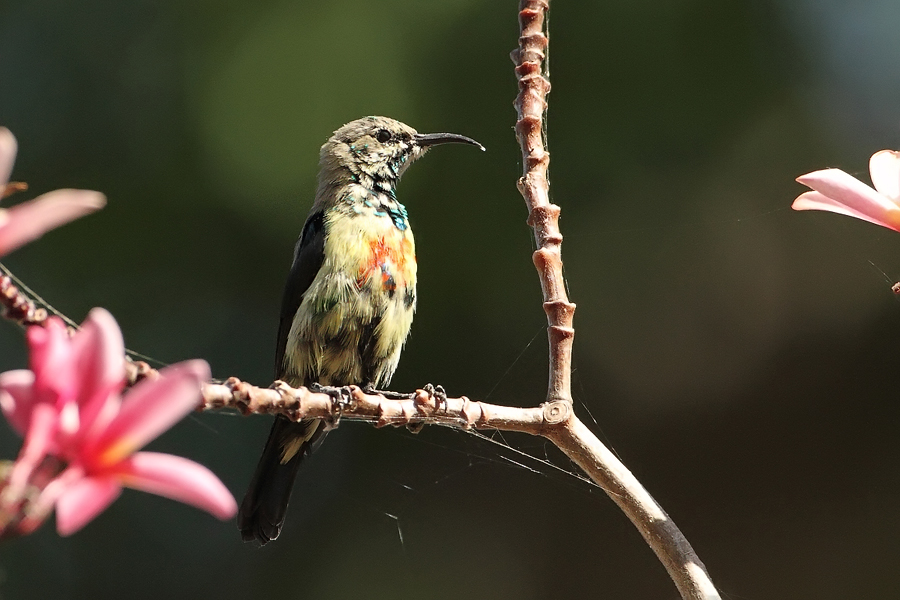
point(570, 434)
point(553, 420)
point(17, 306)
point(351, 402)
point(659, 531)
point(543, 216)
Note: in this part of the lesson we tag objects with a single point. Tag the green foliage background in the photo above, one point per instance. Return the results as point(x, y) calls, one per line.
point(739, 357)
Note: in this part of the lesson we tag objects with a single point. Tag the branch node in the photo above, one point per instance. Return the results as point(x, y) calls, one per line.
point(286, 403)
point(544, 216)
point(423, 400)
point(138, 370)
point(560, 332)
point(465, 412)
point(409, 411)
point(556, 412)
point(381, 418)
point(562, 309)
point(357, 397)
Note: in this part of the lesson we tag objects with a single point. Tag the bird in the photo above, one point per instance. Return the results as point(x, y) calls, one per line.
point(349, 299)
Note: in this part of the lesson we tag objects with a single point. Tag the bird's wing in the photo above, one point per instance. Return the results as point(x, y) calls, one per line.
point(308, 257)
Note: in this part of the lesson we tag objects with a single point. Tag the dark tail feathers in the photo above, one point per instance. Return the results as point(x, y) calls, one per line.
point(265, 504)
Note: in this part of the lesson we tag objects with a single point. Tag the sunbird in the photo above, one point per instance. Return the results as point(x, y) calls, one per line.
point(349, 298)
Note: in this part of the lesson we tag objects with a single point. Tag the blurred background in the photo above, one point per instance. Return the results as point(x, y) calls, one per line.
point(739, 357)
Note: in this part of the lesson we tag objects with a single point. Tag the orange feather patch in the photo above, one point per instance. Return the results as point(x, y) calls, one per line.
point(387, 255)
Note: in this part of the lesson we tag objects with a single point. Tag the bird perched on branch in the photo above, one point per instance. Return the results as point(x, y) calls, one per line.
point(349, 299)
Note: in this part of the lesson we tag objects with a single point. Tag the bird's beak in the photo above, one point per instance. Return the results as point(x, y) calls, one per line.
point(424, 140)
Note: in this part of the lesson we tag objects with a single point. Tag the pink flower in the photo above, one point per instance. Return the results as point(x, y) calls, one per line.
point(68, 406)
point(28, 221)
point(838, 192)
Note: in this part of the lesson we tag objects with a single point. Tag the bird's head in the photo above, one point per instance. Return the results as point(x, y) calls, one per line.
point(375, 151)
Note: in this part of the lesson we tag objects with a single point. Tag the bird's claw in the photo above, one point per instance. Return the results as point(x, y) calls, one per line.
point(439, 394)
point(341, 399)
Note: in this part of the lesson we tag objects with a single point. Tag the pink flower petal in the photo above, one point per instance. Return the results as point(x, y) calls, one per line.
point(40, 440)
point(150, 408)
point(884, 167)
point(82, 501)
point(17, 398)
point(179, 479)
point(8, 149)
point(28, 221)
point(99, 353)
point(847, 191)
point(41, 429)
point(51, 361)
point(817, 201)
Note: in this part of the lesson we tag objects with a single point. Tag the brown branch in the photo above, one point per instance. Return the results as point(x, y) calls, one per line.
point(570, 434)
point(351, 402)
point(543, 216)
point(658, 530)
point(552, 420)
point(17, 306)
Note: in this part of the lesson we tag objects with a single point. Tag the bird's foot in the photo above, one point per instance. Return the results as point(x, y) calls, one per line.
point(439, 394)
point(341, 399)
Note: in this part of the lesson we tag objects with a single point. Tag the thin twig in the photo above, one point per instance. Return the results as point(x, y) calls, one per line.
point(543, 216)
point(570, 434)
point(17, 306)
point(351, 402)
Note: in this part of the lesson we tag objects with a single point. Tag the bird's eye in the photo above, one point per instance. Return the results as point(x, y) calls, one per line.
point(382, 135)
